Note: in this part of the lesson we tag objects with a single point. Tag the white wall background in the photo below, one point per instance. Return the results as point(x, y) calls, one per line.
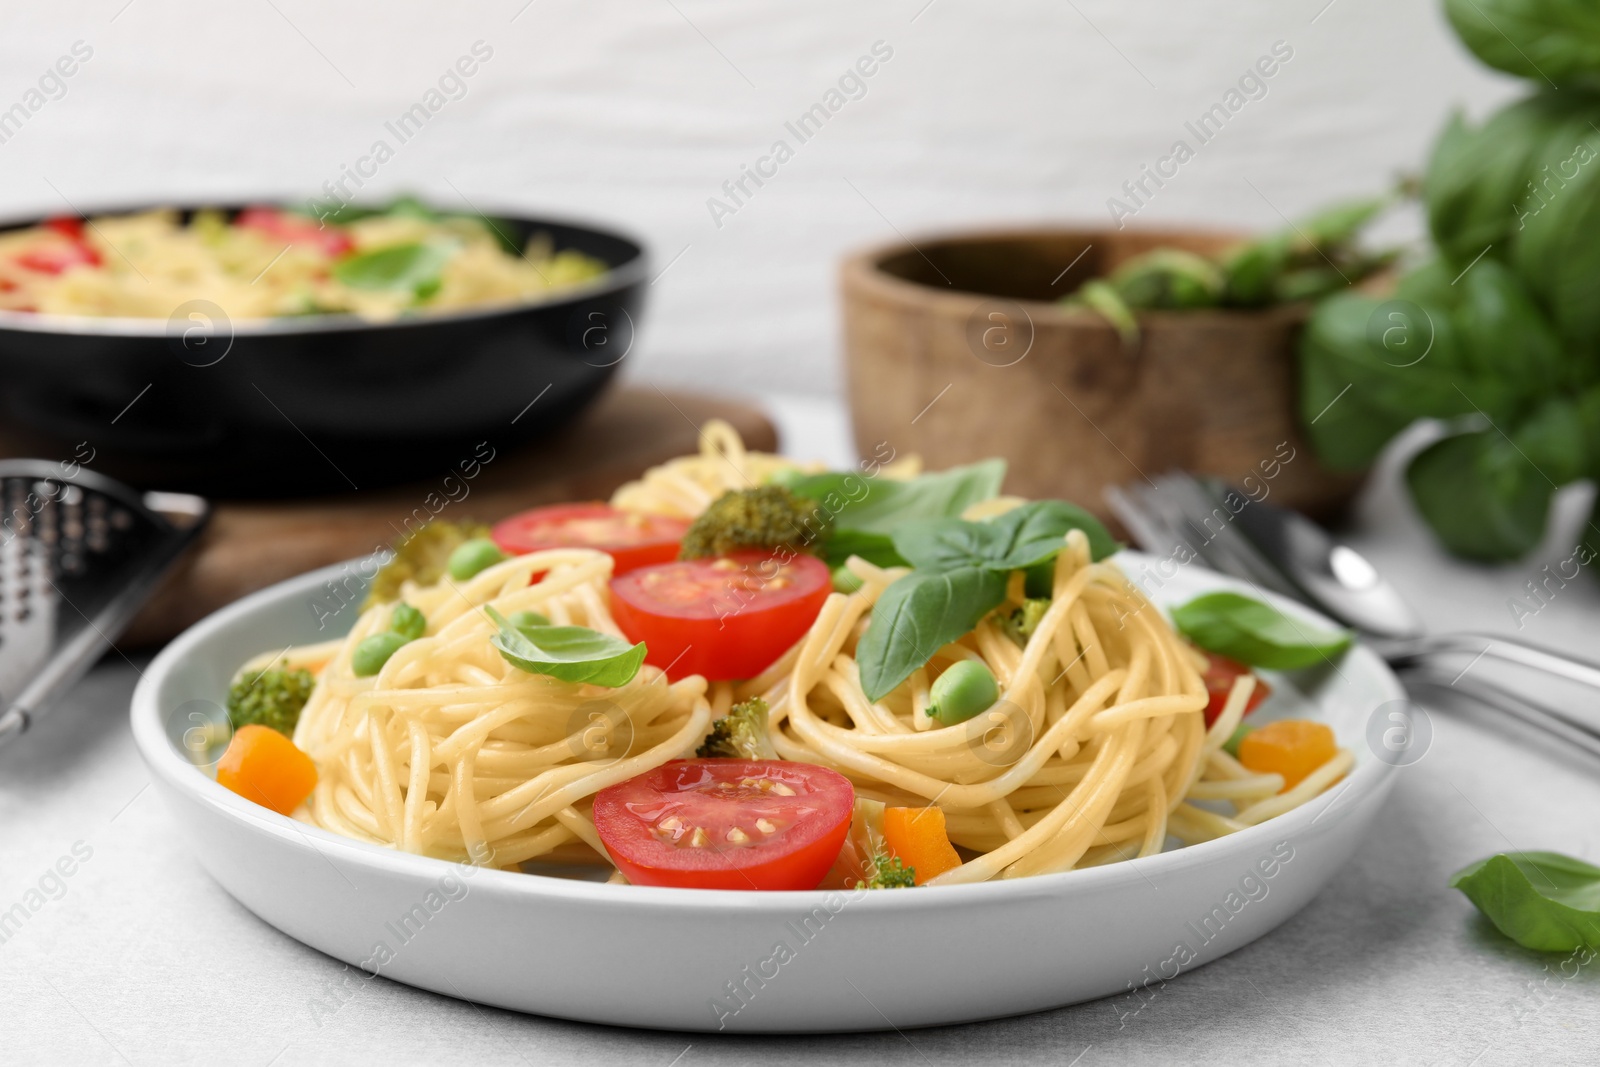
point(636, 111)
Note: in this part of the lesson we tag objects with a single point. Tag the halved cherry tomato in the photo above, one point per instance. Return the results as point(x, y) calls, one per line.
point(1219, 676)
point(631, 539)
point(720, 618)
point(726, 824)
point(330, 240)
point(56, 256)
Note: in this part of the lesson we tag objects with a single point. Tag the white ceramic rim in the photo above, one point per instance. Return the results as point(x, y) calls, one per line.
point(176, 771)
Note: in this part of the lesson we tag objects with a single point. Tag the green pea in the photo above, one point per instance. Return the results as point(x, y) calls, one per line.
point(1231, 745)
point(845, 580)
point(471, 557)
point(523, 620)
point(408, 622)
point(961, 692)
point(373, 652)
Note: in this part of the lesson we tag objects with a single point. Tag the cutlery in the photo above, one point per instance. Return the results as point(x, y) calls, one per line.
point(1287, 553)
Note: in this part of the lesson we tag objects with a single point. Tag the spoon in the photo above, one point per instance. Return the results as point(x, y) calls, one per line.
point(1288, 553)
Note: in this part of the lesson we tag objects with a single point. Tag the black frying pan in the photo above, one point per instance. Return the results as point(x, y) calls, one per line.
point(316, 404)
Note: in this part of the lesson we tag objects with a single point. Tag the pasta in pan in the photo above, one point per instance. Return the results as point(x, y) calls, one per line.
point(264, 262)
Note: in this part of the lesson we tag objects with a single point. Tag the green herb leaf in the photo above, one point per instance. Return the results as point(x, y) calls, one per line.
point(867, 511)
point(1033, 533)
point(1169, 278)
point(916, 616)
point(570, 653)
point(1482, 497)
point(1022, 537)
point(1541, 900)
point(1103, 298)
point(875, 548)
point(1255, 633)
point(948, 544)
point(1542, 40)
point(417, 267)
point(1503, 333)
point(881, 505)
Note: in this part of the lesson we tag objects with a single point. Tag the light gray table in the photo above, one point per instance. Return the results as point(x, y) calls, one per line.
point(138, 957)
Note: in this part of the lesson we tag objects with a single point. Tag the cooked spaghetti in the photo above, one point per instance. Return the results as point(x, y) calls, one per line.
point(1091, 756)
point(265, 263)
point(1097, 750)
point(451, 752)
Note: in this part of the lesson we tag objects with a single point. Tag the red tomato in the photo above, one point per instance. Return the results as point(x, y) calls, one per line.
point(726, 824)
point(68, 226)
point(1219, 676)
point(295, 229)
point(720, 618)
point(56, 256)
point(632, 540)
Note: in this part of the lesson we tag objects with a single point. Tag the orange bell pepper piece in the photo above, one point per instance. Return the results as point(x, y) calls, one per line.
point(917, 836)
point(1290, 747)
point(262, 765)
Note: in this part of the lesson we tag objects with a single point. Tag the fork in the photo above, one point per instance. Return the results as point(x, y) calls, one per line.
point(1288, 554)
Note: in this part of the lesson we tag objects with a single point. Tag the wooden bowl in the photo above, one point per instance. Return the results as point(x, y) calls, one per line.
point(957, 350)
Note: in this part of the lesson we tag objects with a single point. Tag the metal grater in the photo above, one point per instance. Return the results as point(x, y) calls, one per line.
point(79, 555)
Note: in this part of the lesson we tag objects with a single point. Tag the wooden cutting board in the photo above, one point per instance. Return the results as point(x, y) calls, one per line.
point(252, 544)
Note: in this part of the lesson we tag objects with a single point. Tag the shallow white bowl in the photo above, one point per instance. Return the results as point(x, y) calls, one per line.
point(745, 961)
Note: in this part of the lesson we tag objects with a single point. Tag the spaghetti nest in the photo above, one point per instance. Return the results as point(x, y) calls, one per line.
point(452, 752)
point(1091, 756)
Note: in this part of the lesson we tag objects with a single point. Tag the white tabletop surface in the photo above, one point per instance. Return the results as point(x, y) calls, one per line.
point(138, 957)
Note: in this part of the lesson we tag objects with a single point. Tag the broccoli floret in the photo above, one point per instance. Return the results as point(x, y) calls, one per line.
point(421, 558)
point(1022, 621)
point(740, 734)
point(272, 698)
point(889, 872)
point(766, 517)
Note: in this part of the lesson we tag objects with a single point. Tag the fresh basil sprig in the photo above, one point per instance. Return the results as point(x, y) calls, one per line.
point(1541, 900)
point(1255, 633)
point(570, 653)
point(867, 511)
point(960, 576)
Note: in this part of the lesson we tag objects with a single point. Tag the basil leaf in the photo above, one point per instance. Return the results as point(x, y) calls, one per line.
point(948, 544)
point(1254, 633)
point(1567, 228)
point(882, 505)
point(1557, 40)
point(1022, 537)
point(570, 653)
point(1483, 499)
point(916, 616)
point(416, 266)
point(1034, 532)
point(1541, 900)
point(1504, 334)
point(875, 548)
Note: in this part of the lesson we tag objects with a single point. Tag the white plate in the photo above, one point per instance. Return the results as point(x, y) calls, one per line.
point(744, 961)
